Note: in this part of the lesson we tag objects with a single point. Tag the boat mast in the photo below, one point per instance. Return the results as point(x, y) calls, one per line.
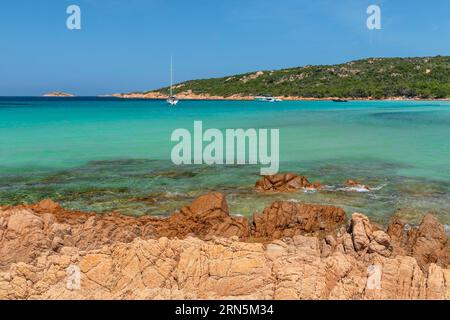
point(171, 76)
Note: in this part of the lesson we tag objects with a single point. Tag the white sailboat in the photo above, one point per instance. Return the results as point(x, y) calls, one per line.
point(172, 100)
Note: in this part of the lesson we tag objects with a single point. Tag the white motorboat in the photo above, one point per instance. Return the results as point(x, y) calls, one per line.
point(267, 99)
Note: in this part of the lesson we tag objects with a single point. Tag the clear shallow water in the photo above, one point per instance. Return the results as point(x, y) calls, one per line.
point(105, 154)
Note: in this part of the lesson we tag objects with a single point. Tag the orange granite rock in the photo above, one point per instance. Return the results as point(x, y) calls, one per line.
point(289, 251)
point(284, 182)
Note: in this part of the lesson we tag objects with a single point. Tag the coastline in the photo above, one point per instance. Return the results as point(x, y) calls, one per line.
point(204, 97)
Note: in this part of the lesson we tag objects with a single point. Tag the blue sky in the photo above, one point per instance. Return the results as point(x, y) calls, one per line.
point(126, 45)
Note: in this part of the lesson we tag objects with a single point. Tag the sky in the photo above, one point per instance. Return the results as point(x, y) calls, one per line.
point(126, 45)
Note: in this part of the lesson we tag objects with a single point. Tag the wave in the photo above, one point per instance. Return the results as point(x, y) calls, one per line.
point(358, 188)
point(174, 194)
point(309, 190)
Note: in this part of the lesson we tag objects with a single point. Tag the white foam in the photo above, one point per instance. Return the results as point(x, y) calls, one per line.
point(381, 186)
point(357, 188)
point(329, 188)
point(309, 190)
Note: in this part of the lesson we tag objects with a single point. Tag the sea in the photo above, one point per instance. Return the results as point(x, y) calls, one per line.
point(109, 154)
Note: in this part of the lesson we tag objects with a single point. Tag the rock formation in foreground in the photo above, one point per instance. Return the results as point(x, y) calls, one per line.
point(289, 251)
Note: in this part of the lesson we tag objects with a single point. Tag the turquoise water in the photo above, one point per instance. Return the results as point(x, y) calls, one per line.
point(105, 154)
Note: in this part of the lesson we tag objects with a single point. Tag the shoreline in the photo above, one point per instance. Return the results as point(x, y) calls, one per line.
point(220, 98)
point(158, 96)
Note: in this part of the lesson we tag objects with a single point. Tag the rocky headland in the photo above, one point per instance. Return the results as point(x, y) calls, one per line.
point(365, 79)
point(58, 94)
point(290, 250)
point(189, 95)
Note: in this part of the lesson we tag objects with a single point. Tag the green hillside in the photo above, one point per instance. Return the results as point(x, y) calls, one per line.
point(425, 77)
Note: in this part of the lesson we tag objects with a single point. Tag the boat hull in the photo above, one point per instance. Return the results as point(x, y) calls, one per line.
point(172, 102)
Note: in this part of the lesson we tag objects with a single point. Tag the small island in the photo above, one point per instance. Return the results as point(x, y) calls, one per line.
point(58, 94)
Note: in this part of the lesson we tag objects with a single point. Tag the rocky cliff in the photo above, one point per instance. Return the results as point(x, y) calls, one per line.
point(288, 251)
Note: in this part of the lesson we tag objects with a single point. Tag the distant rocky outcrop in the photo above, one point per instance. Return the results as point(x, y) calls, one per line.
point(289, 251)
point(58, 94)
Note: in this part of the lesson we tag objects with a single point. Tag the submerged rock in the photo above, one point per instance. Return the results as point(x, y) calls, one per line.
point(287, 182)
point(356, 186)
